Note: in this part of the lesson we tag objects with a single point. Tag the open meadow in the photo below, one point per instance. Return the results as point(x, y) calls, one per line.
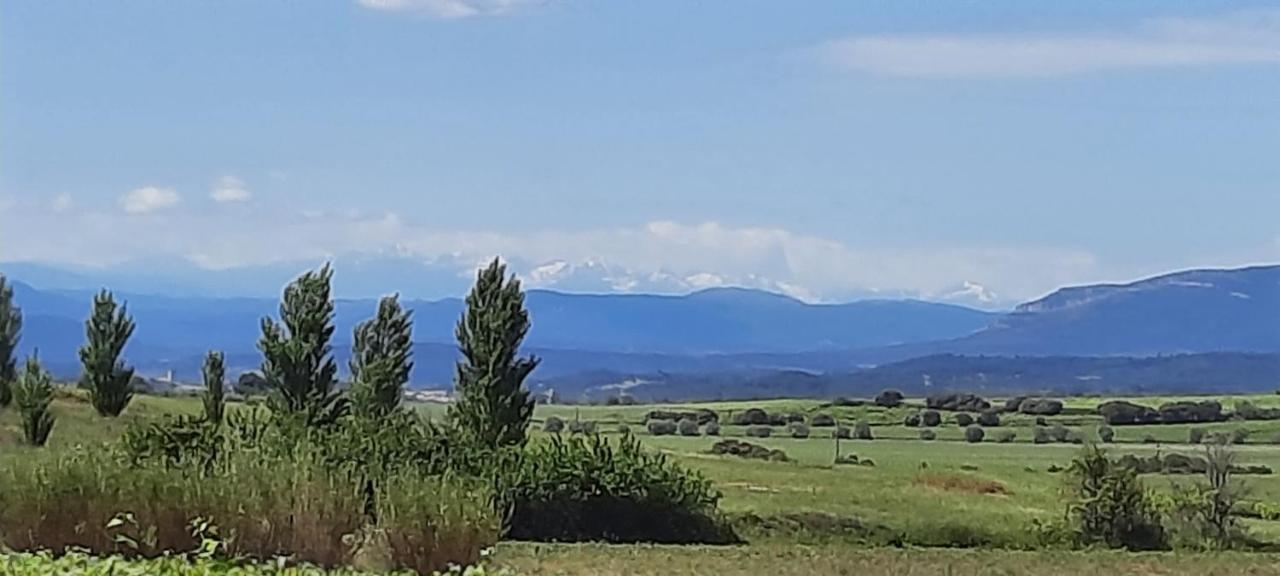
point(809, 513)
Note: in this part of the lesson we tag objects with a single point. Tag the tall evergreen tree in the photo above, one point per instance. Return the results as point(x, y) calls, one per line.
point(34, 393)
point(10, 333)
point(493, 407)
point(215, 375)
point(381, 359)
point(298, 360)
point(105, 376)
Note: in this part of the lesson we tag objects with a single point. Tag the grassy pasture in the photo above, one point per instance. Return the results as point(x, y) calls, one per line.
point(921, 493)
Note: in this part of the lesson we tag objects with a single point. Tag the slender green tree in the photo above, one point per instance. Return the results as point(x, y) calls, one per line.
point(105, 376)
point(34, 393)
point(215, 375)
point(10, 333)
point(493, 406)
point(298, 360)
point(381, 359)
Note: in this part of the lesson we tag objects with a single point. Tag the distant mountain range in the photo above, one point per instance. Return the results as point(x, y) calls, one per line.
point(592, 341)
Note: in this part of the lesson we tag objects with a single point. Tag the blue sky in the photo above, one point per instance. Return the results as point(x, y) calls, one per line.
point(825, 149)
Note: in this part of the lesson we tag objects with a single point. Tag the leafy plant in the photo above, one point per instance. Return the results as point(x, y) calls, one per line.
point(298, 360)
point(1108, 504)
point(493, 407)
point(10, 334)
point(215, 374)
point(382, 359)
point(33, 394)
point(105, 376)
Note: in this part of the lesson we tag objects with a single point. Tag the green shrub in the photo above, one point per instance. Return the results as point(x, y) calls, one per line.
point(842, 432)
point(928, 435)
point(1006, 436)
point(974, 434)
point(889, 399)
point(862, 431)
point(1060, 433)
point(32, 394)
point(1238, 436)
point(911, 420)
point(587, 488)
point(822, 421)
point(624, 429)
point(799, 430)
point(1042, 435)
point(661, 427)
point(553, 425)
point(1109, 506)
point(963, 419)
point(1106, 434)
point(930, 418)
point(103, 374)
point(989, 418)
point(582, 427)
point(688, 427)
point(759, 431)
point(1196, 435)
point(712, 428)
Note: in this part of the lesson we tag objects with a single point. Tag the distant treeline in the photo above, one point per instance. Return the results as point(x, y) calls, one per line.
point(1211, 373)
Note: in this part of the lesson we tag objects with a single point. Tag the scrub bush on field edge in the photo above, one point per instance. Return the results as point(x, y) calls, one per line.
point(587, 488)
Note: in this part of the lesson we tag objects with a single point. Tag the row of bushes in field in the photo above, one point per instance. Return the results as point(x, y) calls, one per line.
point(328, 476)
point(1120, 412)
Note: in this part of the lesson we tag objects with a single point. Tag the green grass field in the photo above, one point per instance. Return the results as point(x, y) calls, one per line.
point(919, 493)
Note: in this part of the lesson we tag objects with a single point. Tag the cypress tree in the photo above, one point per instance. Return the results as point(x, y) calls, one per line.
point(298, 360)
point(215, 374)
point(381, 359)
point(10, 333)
point(492, 406)
point(105, 376)
point(34, 393)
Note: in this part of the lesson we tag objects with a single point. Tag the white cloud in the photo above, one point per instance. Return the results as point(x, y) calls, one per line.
point(447, 9)
point(62, 203)
point(148, 199)
point(1246, 37)
point(229, 189)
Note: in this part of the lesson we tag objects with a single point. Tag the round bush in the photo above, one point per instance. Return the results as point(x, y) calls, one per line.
point(1106, 434)
point(1042, 421)
point(751, 416)
point(661, 427)
point(930, 418)
point(713, 428)
point(1060, 433)
point(989, 418)
point(822, 421)
point(862, 431)
point(1006, 436)
point(759, 431)
point(889, 399)
point(1196, 435)
point(927, 434)
point(842, 432)
point(1042, 435)
point(963, 420)
point(974, 434)
point(688, 427)
point(799, 430)
point(911, 421)
point(624, 429)
point(553, 425)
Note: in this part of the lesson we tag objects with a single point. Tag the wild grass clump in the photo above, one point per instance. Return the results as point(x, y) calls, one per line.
point(298, 503)
point(588, 488)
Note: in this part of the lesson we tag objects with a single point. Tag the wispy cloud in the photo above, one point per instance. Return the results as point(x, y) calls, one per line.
point(62, 203)
point(229, 189)
point(1236, 38)
point(148, 199)
point(657, 256)
point(448, 8)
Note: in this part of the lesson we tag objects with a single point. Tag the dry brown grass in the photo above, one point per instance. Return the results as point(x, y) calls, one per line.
point(960, 483)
